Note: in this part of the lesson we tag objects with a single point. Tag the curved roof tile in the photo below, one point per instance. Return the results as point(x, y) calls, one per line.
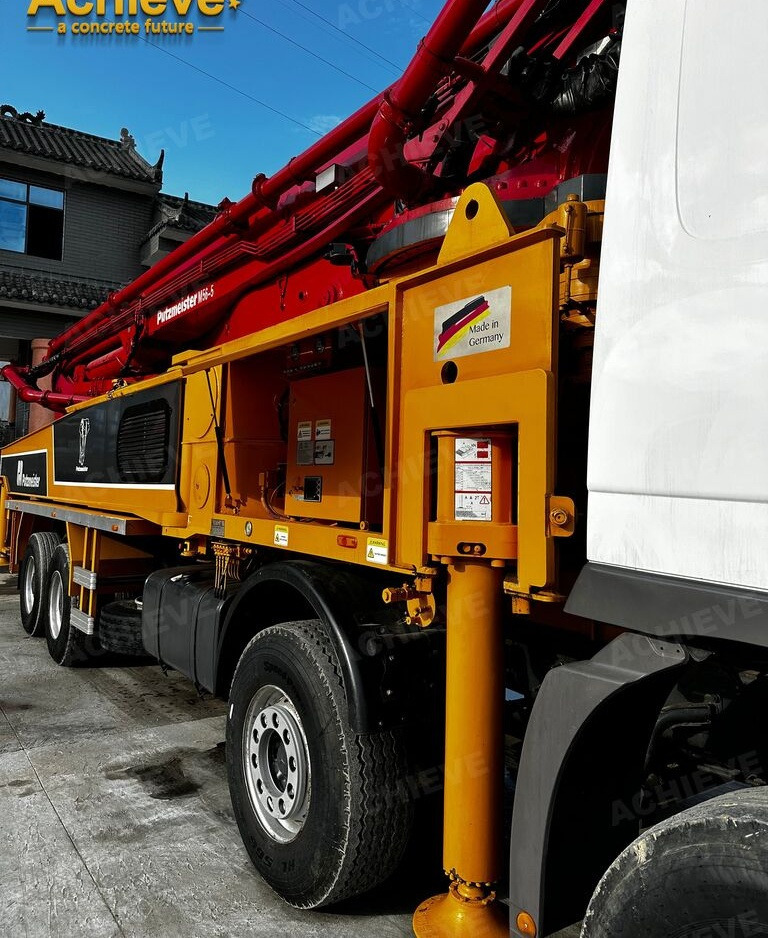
point(31, 134)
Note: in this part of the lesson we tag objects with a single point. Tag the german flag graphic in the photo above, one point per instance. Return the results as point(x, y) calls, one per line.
point(455, 327)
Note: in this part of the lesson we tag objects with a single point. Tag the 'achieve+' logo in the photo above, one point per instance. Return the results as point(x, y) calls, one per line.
point(126, 17)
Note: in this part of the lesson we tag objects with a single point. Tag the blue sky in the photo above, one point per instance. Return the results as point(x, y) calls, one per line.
point(215, 139)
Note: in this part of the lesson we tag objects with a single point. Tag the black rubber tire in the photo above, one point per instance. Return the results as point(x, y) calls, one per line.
point(359, 813)
point(71, 648)
point(700, 874)
point(119, 628)
point(39, 552)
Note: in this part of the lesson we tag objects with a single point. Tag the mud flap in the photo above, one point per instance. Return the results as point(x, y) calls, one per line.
point(580, 771)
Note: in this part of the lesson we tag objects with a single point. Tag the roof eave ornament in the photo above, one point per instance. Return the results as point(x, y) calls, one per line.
point(157, 169)
point(26, 117)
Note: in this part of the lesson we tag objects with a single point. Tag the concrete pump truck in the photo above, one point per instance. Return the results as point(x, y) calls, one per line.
point(434, 451)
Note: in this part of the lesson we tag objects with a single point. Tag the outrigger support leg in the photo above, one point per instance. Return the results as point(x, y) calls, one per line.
point(473, 760)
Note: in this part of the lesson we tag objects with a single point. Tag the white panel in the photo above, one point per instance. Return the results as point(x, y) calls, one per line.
point(635, 531)
point(680, 387)
point(722, 172)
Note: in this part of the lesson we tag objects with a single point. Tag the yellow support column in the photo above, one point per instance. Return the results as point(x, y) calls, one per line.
point(5, 547)
point(473, 760)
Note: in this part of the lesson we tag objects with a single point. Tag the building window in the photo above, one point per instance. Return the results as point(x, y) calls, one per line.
point(31, 219)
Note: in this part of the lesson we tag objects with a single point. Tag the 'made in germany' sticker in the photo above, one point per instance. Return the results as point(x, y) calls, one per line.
point(475, 324)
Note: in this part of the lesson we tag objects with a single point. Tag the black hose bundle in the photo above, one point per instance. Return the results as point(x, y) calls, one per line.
point(591, 83)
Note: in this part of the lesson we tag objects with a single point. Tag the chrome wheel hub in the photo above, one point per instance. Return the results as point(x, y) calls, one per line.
point(276, 763)
point(55, 604)
point(28, 586)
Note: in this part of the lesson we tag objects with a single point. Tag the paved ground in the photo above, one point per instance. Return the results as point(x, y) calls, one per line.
point(114, 812)
point(115, 818)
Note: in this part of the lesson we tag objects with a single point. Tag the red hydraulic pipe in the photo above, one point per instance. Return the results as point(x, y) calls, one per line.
point(448, 36)
point(404, 100)
point(458, 15)
point(49, 399)
point(435, 55)
point(593, 8)
point(267, 191)
point(264, 195)
point(493, 21)
point(219, 226)
point(110, 365)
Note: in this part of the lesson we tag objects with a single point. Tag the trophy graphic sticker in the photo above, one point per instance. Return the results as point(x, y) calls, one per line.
point(85, 427)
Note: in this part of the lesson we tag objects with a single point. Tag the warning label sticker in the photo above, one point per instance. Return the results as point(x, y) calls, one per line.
point(304, 430)
point(305, 453)
point(474, 324)
point(473, 506)
point(377, 551)
point(322, 430)
point(473, 479)
point(324, 452)
point(281, 535)
point(471, 449)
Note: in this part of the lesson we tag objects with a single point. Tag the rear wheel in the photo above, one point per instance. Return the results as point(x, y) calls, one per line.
point(33, 580)
point(702, 873)
point(323, 811)
point(67, 645)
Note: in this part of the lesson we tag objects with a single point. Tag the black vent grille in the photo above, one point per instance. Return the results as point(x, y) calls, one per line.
point(142, 442)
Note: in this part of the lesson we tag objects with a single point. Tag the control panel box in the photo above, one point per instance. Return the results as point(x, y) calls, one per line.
point(333, 471)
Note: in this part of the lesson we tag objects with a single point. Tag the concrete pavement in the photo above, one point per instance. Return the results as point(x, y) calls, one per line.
point(115, 817)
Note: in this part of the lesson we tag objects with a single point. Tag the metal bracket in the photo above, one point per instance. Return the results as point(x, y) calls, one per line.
point(79, 620)
point(86, 578)
point(418, 598)
point(561, 516)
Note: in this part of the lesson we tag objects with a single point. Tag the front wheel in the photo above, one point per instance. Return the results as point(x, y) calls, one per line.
point(323, 811)
point(702, 873)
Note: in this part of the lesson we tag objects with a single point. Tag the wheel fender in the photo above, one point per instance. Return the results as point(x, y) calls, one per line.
point(580, 769)
point(373, 647)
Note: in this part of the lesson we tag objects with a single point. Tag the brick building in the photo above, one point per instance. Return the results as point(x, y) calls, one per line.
point(80, 216)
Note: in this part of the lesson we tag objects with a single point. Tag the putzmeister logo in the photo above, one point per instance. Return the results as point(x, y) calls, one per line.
point(25, 481)
point(185, 305)
point(85, 429)
point(128, 17)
